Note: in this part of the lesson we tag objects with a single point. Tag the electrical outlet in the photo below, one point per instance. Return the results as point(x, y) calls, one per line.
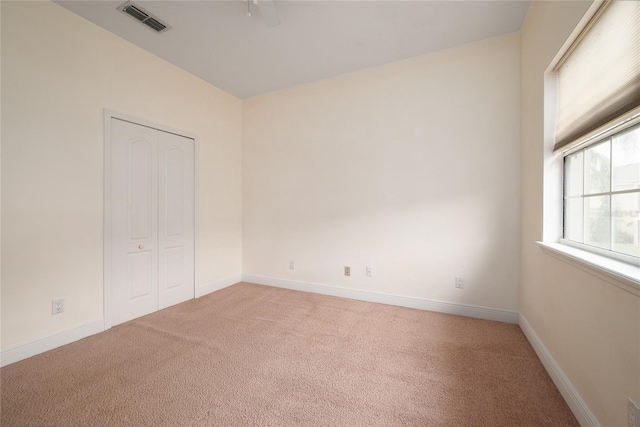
point(347, 271)
point(291, 265)
point(459, 282)
point(633, 413)
point(369, 272)
point(57, 306)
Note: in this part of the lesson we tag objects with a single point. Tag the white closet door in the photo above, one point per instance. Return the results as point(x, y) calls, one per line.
point(152, 220)
point(134, 220)
point(176, 219)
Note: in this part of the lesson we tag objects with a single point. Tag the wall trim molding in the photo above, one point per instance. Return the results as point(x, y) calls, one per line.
point(57, 339)
point(618, 273)
point(217, 285)
point(479, 312)
point(577, 405)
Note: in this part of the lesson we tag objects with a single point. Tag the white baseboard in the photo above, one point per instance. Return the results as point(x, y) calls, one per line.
point(478, 312)
point(27, 349)
point(218, 284)
point(578, 406)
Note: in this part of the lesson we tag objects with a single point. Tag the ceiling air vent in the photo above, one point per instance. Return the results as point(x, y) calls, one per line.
point(155, 24)
point(141, 15)
point(135, 12)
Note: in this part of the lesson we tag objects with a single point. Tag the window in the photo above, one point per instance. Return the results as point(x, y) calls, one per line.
point(602, 193)
point(598, 132)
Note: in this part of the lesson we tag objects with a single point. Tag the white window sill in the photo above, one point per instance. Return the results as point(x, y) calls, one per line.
point(618, 273)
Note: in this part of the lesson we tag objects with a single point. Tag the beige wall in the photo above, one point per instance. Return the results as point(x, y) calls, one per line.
point(590, 327)
point(412, 168)
point(58, 74)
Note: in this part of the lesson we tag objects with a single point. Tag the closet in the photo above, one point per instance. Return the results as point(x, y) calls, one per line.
point(152, 223)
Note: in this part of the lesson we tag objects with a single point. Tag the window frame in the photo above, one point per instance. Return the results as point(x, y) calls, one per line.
point(620, 125)
point(622, 274)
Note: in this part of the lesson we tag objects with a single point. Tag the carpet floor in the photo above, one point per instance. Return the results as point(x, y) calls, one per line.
point(262, 356)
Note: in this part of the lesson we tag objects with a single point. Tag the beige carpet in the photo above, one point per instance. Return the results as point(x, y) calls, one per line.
point(256, 355)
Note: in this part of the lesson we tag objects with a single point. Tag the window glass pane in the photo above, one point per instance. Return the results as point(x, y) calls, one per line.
point(626, 223)
point(574, 174)
point(626, 160)
point(597, 171)
point(597, 221)
point(574, 219)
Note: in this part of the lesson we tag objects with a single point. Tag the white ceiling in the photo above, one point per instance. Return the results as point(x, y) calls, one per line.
point(217, 42)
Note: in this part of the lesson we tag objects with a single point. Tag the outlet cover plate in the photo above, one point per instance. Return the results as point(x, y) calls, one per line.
point(57, 306)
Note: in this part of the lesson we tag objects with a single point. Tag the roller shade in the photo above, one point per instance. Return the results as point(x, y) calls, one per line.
point(599, 77)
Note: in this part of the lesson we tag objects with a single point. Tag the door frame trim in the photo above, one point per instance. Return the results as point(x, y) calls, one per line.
point(112, 114)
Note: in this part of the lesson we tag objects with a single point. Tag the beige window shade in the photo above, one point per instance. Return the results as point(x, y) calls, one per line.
point(599, 78)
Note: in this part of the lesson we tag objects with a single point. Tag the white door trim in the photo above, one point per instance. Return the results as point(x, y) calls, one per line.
point(111, 114)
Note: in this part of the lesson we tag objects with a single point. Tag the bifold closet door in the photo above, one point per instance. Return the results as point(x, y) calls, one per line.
point(176, 219)
point(152, 220)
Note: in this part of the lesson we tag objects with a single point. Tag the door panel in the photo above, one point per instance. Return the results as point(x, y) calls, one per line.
point(140, 274)
point(141, 188)
point(134, 220)
point(176, 219)
point(174, 191)
point(173, 263)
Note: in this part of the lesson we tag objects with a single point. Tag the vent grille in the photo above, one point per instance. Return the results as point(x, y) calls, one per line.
point(135, 12)
point(155, 24)
point(141, 15)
